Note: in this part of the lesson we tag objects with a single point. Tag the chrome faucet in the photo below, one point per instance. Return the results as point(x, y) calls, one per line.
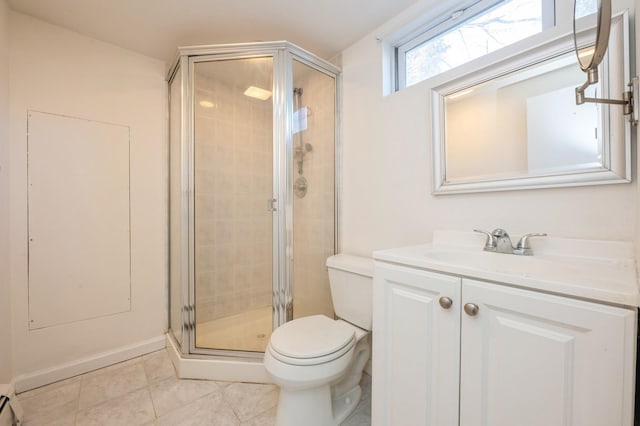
point(499, 241)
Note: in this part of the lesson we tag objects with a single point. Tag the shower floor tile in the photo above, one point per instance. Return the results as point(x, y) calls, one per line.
point(155, 396)
point(246, 331)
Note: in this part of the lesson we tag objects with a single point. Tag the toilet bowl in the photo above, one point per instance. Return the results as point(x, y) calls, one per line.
point(318, 361)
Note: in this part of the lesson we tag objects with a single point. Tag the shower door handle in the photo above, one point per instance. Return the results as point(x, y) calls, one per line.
point(289, 311)
point(271, 204)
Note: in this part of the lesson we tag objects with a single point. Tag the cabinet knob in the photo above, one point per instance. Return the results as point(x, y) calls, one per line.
point(446, 302)
point(471, 309)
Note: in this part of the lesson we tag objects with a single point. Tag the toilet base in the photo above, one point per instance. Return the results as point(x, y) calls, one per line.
point(320, 400)
point(325, 405)
point(314, 407)
point(346, 404)
point(309, 407)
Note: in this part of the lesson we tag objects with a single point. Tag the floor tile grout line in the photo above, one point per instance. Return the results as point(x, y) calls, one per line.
point(151, 383)
point(91, 407)
point(110, 400)
point(192, 402)
point(75, 416)
point(153, 404)
point(236, 414)
point(224, 400)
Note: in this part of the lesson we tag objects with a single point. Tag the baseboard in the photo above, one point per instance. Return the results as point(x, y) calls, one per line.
point(43, 377)
point(215, 368)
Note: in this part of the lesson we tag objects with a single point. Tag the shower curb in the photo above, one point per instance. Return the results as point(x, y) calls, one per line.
point(217, 368)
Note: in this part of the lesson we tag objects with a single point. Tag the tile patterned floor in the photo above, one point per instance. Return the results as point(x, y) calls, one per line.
point(145, 391)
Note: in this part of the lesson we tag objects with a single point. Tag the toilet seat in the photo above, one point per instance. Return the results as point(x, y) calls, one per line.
point(312, 340)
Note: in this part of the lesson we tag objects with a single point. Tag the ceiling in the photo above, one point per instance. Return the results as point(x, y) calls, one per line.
point(157, 27)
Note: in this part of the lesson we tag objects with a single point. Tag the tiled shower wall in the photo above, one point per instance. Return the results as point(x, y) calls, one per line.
point(233, 180)
point(314, 214)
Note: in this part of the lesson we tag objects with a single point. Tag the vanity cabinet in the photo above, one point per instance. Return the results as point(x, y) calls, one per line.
point(416, 348)
point(455, 351)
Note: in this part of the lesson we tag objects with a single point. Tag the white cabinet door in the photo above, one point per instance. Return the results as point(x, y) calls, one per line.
point(532, 359)
point(416, 343)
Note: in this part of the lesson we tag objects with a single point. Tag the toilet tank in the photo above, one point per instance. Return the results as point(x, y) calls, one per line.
point(351, 280)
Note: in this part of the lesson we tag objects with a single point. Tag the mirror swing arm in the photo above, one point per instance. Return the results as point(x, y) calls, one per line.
point(630, 98)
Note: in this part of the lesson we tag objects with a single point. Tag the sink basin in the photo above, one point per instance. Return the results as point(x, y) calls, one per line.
point(470, 259)
point(559, 268)
point(598, 270)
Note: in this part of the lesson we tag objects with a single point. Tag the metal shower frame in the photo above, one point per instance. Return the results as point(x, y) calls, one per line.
point(283, 53)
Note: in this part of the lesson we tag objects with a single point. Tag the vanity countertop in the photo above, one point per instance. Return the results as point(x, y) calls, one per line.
point(603, 271)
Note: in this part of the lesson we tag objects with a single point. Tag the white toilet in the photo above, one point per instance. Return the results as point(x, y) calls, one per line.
point(318, 361)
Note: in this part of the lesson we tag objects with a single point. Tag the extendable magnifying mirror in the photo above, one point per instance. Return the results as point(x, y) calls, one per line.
point(591, 53)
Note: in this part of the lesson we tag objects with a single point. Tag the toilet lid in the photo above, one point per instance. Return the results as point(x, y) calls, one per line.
point(312, 337)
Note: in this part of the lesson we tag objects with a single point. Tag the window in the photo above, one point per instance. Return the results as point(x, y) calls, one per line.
point(585, 7)
point(466, 34)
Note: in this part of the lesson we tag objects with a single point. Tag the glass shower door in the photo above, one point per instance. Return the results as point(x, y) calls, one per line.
point(314, 195)
point(233, 224)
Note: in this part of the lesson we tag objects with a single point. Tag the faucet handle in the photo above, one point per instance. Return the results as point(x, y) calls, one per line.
point(491, 243)
point(523, 246)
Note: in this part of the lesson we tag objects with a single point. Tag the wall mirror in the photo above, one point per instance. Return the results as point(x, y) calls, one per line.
point(516, 125)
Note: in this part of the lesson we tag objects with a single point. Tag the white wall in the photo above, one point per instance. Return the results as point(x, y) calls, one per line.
point(57, 71)
point(5, 302)
point(387, 180)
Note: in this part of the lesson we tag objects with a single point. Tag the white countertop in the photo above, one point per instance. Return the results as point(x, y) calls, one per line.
point(602, 271)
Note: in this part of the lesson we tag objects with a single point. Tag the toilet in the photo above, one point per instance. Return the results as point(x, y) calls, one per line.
point(318, 361)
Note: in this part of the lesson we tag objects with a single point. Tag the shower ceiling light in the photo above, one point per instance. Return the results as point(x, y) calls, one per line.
point(258, 93)
point(207, 104)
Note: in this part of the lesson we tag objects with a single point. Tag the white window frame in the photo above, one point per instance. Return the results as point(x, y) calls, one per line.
point(445, 22)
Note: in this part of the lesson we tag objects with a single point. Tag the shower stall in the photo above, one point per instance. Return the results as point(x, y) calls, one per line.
point(253, 194)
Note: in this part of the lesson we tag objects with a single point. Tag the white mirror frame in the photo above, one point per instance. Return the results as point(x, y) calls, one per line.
point(616, 162)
